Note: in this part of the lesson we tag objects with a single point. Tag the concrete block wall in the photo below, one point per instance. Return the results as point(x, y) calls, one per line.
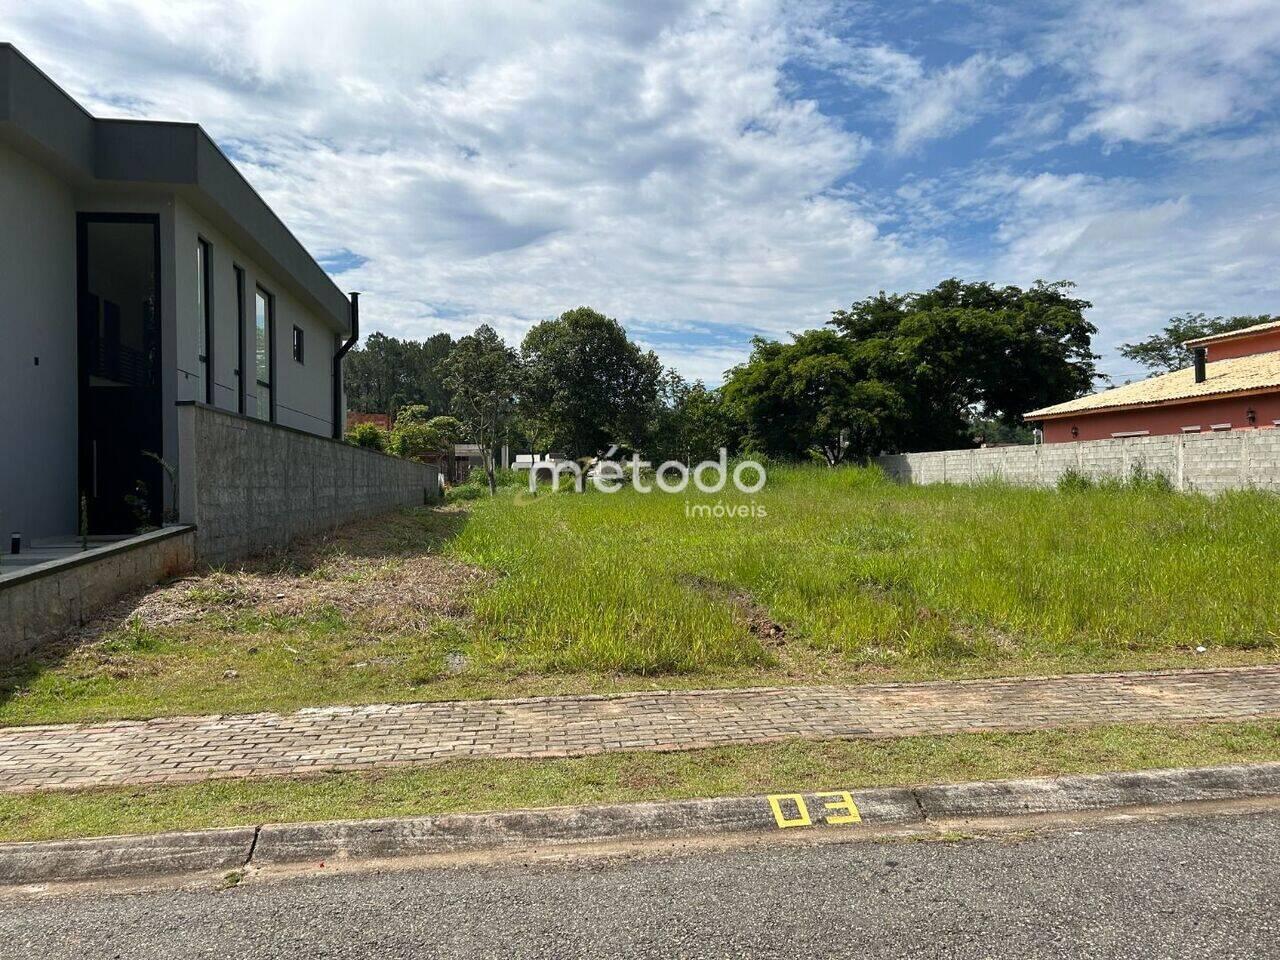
point(42, 602)
point(1202, 462)
point(250, 487)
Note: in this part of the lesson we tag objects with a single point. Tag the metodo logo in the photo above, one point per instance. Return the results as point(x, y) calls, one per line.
point(609, 476)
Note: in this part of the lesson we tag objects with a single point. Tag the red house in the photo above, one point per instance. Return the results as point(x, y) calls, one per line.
point(1234, 384)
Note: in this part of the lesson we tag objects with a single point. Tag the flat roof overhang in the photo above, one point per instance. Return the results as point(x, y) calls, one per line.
point(42, 120)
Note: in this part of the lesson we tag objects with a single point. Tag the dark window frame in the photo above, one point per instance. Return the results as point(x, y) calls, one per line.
point(205, 249)
point(299, 344)
point(242, 289)
point(270, 299)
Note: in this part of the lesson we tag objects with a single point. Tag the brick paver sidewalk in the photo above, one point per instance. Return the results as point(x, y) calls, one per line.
point(181, 749)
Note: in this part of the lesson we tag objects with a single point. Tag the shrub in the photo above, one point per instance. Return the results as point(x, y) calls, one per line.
point(464, 491)
point(368, 435)
point(1073, 481)
point(1153, 481)
point(1140, 479)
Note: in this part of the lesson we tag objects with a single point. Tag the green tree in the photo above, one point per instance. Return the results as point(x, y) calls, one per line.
point(962, 352)
point(812, 395)
point(689, 422)
point(449, 429)
point(1164, 352)
point(482, 376)
point(385, 373)
point(586, 385)
point(412, 413)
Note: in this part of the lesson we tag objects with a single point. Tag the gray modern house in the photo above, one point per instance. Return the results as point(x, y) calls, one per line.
point(170, 365)
point(139, 269)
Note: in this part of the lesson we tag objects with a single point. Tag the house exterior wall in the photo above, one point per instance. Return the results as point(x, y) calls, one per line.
point(1244, 346)
point(304, 391)
point(38, 407)
point(1167, 419)
point(56, 161)
point(1199, 462)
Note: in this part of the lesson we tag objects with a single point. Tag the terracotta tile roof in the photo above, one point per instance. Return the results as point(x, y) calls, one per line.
point(1233, 334)
point(382, 420)
point(1258, 371)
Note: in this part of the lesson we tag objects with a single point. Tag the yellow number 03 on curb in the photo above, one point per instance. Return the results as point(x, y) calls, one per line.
point(842, 807)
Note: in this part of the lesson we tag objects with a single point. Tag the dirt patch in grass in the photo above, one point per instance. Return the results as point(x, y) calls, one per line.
point(753, 614)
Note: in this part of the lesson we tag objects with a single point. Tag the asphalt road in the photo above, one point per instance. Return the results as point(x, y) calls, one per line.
point(1197, 888)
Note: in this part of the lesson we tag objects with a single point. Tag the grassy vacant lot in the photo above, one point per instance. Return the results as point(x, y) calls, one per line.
point(474, 785)
point(845, 578)
point(847, 567)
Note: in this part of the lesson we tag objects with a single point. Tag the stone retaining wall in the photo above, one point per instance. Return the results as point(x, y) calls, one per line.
point(250, 487)
point(1203, 462)
point(42, 602)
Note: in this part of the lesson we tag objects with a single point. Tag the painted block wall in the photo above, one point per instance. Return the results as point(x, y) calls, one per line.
point(252, 487)
point(1204, 463)
point(38, 412)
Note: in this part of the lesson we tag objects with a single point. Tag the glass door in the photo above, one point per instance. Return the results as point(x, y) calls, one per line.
point(118, 269)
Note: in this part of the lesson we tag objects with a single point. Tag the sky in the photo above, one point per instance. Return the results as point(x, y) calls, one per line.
point(708, 171)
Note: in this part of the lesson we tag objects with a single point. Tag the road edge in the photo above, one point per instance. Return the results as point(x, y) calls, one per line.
point(347, 842)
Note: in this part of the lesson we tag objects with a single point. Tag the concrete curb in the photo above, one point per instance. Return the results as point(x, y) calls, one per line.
point(352, 841)
point(1001, 798)
point(457, 833)
point(112, 858)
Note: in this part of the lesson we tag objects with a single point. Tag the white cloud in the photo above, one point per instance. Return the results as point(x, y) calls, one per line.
point(508, 161)
point(922, 104)
point(498, 162)
point(1161, 69)
point(1139, 254)
point(947, 100)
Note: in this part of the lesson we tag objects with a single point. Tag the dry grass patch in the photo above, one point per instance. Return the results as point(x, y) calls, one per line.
point(373, 611)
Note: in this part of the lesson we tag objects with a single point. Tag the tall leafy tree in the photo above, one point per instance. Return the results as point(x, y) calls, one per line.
point(967, 351)
point(585, 384)
point(482, 374)
point(813, 395)
point(690, 422)
point(1164, 352)
point(385, 373)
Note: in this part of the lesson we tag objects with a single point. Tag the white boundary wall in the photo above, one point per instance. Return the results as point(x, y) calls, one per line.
point(1203, 462)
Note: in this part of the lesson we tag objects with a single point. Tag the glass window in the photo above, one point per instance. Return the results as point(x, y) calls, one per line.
point(263, 323)
point(204, 318)
point(202, 259)
point(297, 344)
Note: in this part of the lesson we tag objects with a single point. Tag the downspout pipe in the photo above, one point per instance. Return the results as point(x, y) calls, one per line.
point(350, 342)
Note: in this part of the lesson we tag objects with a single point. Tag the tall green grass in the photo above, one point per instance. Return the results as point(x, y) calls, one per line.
point(852, 565)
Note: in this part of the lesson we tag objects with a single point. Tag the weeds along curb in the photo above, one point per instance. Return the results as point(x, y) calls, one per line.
point(352, 841)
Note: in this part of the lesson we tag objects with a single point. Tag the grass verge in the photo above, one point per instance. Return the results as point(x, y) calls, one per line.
point(479, 785)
